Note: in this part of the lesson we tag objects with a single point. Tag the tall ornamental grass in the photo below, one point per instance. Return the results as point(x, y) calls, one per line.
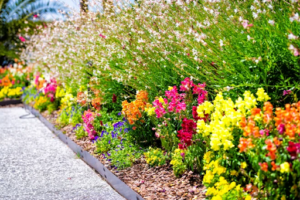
point(150, 45)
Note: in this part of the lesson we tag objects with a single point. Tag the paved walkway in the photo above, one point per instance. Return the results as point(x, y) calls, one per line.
point(35, 164)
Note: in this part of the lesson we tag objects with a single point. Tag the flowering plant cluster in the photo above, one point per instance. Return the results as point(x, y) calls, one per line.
point(155, 157)
point(175, 117)
point(88, 119)
point(262, 144)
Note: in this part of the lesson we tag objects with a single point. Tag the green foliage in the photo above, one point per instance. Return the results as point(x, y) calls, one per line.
point(80, 132)
point(125, 156)
point(63, 118)
point(177, 162)
point(53, 106)
point(141, 132)
point(29, 94)
point(76, 116)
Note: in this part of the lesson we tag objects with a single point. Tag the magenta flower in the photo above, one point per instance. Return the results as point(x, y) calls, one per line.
point(186, 85)
point(22, 39)
point(103, 36)
point(88, 119)
point(281, 128)
point(287, 92)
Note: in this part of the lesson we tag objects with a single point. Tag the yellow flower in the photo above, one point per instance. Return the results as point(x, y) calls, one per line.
point(207, 156)
point(233, 173)
point(208, 177)
point(211, 191)
point(161, 100)
point(150, 111)
point(170, 88)
point(283, 197)
point(285, 167)
point(217, 198)
point(261, 95)
point(243, 165)
point(248, 197)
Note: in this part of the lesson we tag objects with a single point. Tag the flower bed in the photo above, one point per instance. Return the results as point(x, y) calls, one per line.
point(12, 82)
point(185, 133)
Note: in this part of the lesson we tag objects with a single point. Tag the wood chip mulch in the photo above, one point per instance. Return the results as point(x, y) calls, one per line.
point(150, 182)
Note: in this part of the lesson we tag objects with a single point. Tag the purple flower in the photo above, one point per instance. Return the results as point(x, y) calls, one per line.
point(95, 139)
point(120, 113)
point(109, 142)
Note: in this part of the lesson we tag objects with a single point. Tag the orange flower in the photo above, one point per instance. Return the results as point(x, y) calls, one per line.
point(5, 81)
point(81, 98)
point(264, 166)
point(271, 148)
point(133, 110)
point(268, 112)
point(255, 111)
point(96, 103)
point(245, 143)
point(276, 141)
point(274, 166)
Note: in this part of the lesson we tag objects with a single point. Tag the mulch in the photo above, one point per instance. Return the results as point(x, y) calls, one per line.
point(150, 182)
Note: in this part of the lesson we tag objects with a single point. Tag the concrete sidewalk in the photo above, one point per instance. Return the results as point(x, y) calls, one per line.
point(35, 164)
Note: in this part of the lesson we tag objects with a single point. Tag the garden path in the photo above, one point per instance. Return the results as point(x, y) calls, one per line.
point(35, 164)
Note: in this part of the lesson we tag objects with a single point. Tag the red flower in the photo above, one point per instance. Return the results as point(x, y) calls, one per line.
point(114, 98)
point(293, 149)
point(188, 125)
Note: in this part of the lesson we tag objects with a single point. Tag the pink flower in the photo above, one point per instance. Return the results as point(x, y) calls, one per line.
point(157, 134)
point(88, 119)
point(180, 107)
point(286, 92)
point(186, 85)
point(159, 109)
point(245, 24)
point(103, 36)
point(36, 80)
point(13, 82)
point(264, 132)
point(281, 128)
point(22, 39)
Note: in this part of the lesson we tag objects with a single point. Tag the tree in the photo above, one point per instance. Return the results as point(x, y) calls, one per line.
point(18, 14)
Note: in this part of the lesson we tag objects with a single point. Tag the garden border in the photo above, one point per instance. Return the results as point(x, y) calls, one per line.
point(10, 102)
point(93, 162)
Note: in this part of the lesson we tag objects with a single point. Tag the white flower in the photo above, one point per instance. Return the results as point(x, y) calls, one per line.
point(291, 36)
point(255, 15)
point(272, 22)
point(221, 43)
point(270, 6)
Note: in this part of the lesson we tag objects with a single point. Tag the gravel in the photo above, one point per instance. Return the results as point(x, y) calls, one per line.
point(35, 164)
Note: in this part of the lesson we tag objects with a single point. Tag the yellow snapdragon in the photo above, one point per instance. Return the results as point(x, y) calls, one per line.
point(285, 167)
point(150, 111)
point(262, 95)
